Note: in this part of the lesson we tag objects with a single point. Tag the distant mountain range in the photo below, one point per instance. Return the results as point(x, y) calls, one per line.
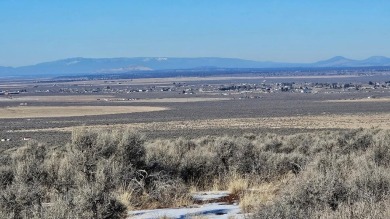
point(340, 61)
point(78, 66)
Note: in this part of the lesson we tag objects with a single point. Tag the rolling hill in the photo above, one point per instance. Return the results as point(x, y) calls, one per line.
point(76, 66)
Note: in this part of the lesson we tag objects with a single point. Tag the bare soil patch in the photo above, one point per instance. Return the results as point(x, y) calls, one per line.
point(64, 98)
point(69, 111)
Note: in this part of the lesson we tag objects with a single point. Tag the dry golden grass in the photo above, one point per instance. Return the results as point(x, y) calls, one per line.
point(249, 192)
point(148, 203)
point(261, 194)
point(124, 196)
point(237, 185)
point(54, 111)
point(353, 121)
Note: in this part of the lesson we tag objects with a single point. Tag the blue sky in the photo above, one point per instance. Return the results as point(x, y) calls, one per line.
point(33, 31)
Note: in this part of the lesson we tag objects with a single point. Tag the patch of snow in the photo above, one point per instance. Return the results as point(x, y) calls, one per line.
point(211, 207)
point(155, 59)
point(209, 196)
point(124, 69)
point(161, 59)
point(72, 62)
point(213, 210)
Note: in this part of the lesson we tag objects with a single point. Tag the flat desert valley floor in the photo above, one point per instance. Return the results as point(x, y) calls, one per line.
point(48, 111)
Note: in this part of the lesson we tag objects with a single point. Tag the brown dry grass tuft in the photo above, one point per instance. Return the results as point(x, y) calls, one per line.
point(262, 194)
point(238, 185)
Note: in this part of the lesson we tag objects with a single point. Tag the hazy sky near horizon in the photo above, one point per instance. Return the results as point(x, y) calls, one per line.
point(33, 31)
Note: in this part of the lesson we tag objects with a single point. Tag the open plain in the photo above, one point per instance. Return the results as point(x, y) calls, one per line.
point(250, 139)
point(47, 111)
point(70, 111)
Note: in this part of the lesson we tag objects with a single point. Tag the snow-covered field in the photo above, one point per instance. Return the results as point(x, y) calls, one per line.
point(211, 209)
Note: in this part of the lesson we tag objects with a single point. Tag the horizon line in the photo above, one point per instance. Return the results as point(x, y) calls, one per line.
point(189, 57)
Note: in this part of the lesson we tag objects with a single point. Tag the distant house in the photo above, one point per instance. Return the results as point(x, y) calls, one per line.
point(306, 90)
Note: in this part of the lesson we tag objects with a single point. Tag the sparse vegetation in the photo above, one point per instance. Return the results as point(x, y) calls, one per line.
point(101, 174)
point(345, 178)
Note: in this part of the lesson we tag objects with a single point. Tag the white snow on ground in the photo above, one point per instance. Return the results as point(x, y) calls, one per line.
point(209, 196)
point(210, 210)
point(213, 210)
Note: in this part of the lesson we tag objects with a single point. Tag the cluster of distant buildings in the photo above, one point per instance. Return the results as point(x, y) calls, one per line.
point(223, 89)
point(9, 92)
